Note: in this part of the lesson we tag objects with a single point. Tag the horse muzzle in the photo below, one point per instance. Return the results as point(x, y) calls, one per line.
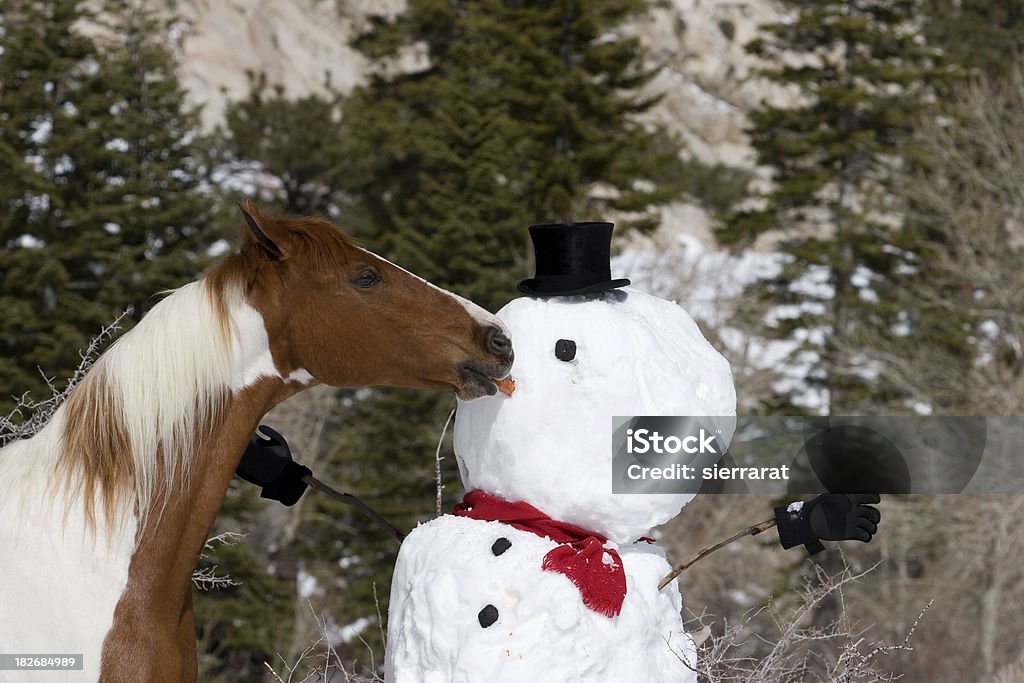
point(477, 378)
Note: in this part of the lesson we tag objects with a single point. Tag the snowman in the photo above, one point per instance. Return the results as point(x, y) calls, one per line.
point(542, 573)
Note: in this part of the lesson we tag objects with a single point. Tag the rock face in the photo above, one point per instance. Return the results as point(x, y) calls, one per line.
point(297, 44)
point(706, 77)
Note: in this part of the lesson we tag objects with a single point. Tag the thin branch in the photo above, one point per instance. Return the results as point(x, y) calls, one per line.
point(753, 530)
point(437, 462)
point(15, 426)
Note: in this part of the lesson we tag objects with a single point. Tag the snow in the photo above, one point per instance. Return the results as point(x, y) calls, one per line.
point(901, 328)
point(921, 408)
point(550, 443)
point(350, 632)
point(861, 277)
point(63, 165)
point(218, 248)
point(117, 145)
point(868, 294)
point(707, 282)
point(446, 575)
point(814, 283)
point(306, 584)
point(39, 202)
point(247, 178)
point(739, 596)
point(701, 278)
point(346, 562)
point(41, 130)
point(30, 242)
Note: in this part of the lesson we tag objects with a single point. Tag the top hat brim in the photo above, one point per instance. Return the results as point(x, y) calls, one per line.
point(543, 287)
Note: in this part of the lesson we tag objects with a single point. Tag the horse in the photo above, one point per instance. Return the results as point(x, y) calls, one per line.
point(104, 511)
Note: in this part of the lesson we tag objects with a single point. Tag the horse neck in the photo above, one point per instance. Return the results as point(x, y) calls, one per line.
point(168, 546)
point(157, 600)
point(177, 522)
point(131, 432)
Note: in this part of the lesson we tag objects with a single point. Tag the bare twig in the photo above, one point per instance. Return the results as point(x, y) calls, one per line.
point(380, 617)
point(801, 648)
point(320, 661)
point(437, 462)
point(15, 425)
point(753, 530)
point(207, 578)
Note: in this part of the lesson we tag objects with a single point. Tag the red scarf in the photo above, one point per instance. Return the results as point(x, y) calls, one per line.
point(581, 556)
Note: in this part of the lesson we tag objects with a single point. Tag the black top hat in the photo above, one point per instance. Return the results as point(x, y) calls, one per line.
point(572, 259)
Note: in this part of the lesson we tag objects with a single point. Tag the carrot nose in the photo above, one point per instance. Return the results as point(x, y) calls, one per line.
point(506, 386)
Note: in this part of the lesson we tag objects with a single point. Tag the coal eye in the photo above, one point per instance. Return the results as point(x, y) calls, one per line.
point(500, 546)
point(565, 349)
point(367, 279)
point(487, 616)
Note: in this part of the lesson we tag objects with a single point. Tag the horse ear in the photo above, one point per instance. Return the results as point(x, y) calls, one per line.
point(257, 225)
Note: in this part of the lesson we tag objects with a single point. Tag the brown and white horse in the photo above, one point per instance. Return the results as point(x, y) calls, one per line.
point(103, 513)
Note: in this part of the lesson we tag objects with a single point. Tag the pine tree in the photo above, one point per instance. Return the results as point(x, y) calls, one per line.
point(297, 141)
point(984, 35)
point(144, 186)
point(863, 76)
point(42, 70)
point(101, 205)
point(518, 113)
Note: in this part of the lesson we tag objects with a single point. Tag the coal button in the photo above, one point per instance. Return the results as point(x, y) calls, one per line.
point(488, 615)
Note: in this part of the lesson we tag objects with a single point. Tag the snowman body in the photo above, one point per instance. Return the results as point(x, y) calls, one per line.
point(471, 604)
point(461, 612)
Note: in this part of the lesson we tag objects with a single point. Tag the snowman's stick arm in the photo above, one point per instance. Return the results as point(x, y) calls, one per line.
point(349, 499)
point(753, 530)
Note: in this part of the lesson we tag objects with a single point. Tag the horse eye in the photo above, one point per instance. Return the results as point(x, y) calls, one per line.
point(367, 279)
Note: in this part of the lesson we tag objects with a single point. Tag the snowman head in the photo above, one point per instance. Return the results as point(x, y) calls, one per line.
point(580, 361)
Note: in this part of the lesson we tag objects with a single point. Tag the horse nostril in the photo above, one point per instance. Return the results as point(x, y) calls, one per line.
point(498, 342)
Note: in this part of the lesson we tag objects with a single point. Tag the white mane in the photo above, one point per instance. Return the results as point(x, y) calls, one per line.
point(133, 422)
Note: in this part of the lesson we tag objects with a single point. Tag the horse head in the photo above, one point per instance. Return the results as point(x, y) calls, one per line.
point(338, 314)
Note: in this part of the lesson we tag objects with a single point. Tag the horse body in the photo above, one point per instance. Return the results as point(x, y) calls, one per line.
point(61, 580)
point(104, 512)
point(69, 555)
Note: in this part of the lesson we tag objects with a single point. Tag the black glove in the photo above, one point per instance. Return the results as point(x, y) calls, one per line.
point(829, 517)
point(268, 463)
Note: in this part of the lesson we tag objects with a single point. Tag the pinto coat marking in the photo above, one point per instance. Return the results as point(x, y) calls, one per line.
point(104, 512)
